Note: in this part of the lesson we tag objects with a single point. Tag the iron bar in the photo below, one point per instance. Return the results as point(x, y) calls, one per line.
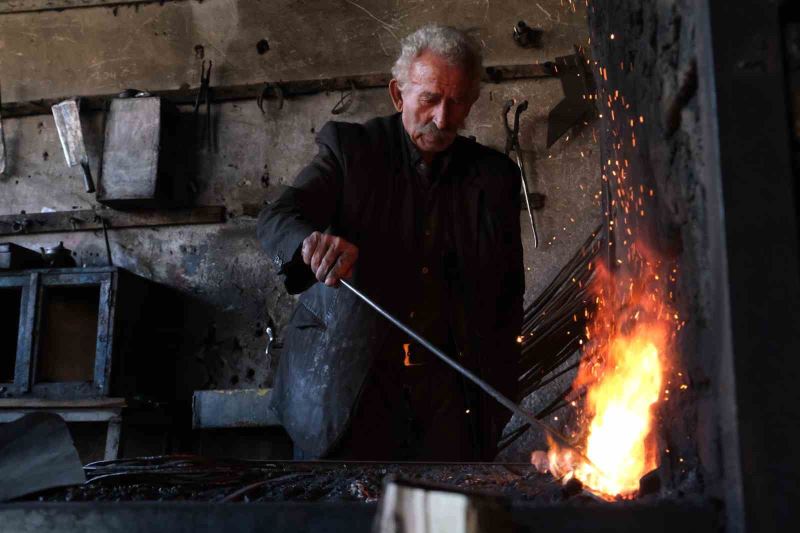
point(491, 391)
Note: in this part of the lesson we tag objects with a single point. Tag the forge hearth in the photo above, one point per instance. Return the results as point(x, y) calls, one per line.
point(194, 478)
point(199, 479)
point(174, 493)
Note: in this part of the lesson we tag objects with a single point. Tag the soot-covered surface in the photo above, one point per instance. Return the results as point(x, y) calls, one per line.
point(182, 478)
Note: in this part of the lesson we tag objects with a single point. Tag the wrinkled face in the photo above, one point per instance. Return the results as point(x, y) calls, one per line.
point(434, 102)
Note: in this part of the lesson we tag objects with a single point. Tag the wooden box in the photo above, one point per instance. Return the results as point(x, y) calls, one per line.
point(74, 333)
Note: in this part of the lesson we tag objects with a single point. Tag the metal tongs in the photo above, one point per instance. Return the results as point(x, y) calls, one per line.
point(512, 144)
point(204, 96)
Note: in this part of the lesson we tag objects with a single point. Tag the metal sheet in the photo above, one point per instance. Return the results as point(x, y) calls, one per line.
point(37, 453)
point(235, 408)
point(68, 124)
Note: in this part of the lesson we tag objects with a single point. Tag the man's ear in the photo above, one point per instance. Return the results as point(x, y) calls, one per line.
point(397, 96)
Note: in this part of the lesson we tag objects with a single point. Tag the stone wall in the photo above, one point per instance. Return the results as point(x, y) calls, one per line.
point(646, 73)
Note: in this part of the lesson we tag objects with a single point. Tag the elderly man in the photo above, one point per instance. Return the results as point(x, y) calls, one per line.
point(425, 222)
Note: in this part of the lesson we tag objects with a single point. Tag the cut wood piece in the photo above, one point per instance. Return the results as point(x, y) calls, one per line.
point(417, 507)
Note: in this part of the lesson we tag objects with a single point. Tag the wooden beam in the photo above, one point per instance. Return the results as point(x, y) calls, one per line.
point(91, 220)
point(40, 403)
point(274, 89)
point(29, 6)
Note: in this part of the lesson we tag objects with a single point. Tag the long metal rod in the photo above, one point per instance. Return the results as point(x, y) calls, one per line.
point(491, 391)
point(527, 199)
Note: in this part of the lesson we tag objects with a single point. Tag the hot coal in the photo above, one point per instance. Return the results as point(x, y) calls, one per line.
point(650, 483)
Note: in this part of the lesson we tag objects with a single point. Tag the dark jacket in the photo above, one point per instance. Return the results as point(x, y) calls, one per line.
point(357, 187)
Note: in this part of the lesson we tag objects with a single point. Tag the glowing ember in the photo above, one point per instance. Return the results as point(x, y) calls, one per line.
point(622, 370)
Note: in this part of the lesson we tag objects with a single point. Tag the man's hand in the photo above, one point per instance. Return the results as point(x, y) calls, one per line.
point(331, 258)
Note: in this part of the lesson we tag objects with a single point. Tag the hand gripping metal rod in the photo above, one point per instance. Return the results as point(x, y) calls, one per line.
point(494, 393)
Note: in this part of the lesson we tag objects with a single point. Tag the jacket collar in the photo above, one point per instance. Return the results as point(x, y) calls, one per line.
point(457, 154)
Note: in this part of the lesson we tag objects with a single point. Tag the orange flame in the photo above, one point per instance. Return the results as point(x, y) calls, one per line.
point(622, 371)
point(407, 353)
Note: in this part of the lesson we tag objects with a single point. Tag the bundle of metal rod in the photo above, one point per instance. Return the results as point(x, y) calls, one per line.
point(554, 322)
point(176, 470)
point(192, 478)
point(552, 329)
point(508, 439)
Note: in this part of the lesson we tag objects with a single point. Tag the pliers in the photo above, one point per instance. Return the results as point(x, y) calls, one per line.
point(512, 144)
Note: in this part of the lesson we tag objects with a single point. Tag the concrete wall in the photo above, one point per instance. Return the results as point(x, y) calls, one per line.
point(232, 287)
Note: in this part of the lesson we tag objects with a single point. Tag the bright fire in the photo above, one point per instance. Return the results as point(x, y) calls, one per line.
point(621, 373)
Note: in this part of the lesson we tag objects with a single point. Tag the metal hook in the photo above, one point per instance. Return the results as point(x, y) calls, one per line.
point(273, 87)
point(270, 340)
point(345, 101)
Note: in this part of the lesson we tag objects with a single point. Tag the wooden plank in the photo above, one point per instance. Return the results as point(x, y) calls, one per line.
point(68, 415)
point(39, 403)
point(30, 6)
point(272, 90)
point(91, 220)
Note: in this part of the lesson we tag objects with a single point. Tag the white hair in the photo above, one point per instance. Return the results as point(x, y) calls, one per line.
point(455, 46)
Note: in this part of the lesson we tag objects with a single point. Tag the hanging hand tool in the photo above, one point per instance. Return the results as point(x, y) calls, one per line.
point(512, 144)
point(2, 138)
point(102, 220)
point(204, 96)
point(494, 393)
point(527, 37)
point(270, 88)
point(68, 124)
point(345, 101)
point(577, 107)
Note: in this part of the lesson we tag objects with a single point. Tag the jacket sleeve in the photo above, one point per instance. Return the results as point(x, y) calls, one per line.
point(310, 204)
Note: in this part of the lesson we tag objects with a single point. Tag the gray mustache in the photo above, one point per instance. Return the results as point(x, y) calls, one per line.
point(432, 129)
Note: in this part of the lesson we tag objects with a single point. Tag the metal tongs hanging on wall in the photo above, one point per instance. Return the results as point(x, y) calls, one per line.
point(512, 144)
point(68, 124)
